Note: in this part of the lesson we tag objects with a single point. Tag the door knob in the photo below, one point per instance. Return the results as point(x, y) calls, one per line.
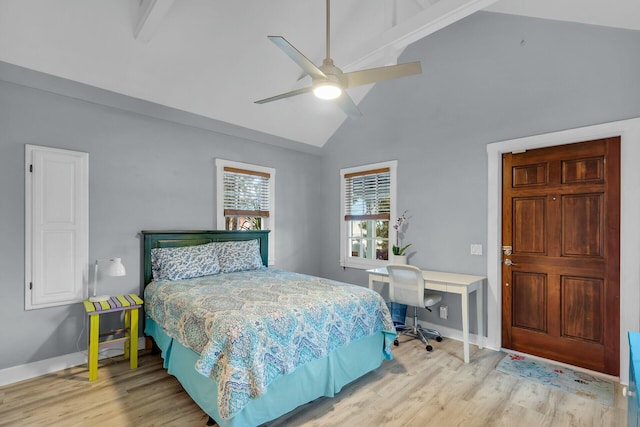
point(509, 263)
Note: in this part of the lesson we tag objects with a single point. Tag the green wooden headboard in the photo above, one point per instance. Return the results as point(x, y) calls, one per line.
point(177, 238)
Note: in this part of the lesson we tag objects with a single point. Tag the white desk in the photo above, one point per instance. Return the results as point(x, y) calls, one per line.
point(462, 284)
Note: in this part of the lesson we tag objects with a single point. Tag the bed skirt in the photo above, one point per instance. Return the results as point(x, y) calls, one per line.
point(321, 377)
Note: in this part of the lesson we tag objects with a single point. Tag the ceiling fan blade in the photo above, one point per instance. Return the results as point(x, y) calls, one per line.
point(374, 75)
point(285, 95)
point(302, 61)
point(347, 105)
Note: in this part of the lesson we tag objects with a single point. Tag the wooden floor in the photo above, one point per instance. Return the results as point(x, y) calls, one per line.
point(415, 389)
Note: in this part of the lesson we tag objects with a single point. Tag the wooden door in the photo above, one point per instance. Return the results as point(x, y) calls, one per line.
point(561, 235)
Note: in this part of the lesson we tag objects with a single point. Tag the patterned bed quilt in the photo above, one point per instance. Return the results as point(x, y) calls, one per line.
point(251, 327)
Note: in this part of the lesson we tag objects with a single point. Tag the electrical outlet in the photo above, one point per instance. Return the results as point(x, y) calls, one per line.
point(444, 311)
point(476, 249)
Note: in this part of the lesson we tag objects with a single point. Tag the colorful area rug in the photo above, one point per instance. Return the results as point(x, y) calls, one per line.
point(568, 380)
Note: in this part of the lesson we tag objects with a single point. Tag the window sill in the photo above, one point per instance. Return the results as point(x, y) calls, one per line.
point(364, 264)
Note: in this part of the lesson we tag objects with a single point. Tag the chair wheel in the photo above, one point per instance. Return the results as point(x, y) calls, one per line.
point(439, 339)
point(429, 348)
point(396, 343)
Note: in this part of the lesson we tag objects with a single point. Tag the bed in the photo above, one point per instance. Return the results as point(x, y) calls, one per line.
point(250, 343)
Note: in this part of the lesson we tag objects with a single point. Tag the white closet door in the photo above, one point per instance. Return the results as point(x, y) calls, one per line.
point(56, 226)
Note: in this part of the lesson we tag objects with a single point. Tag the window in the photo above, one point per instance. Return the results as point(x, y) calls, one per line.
point(245, 198)
point(368, 203)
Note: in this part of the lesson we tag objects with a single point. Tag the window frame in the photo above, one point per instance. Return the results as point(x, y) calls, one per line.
point(268, 223)
point(360, 263)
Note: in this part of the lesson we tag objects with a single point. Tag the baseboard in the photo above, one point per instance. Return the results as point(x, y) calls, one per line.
point(42, 367)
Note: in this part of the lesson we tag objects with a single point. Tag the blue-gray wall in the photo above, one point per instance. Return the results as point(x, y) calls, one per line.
point(487, 78)
point(144, 173)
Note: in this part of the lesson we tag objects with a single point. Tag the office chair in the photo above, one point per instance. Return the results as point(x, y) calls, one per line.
point(406, 286)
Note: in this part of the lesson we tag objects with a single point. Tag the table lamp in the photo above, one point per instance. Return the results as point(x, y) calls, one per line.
point(114, 268)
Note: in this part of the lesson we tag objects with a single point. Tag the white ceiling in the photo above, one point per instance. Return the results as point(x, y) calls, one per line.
point(213, 58)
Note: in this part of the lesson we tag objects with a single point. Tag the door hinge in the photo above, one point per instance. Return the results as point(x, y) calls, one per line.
point(30, 168)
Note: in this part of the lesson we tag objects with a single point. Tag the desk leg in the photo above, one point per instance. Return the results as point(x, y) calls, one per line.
point(133, 339)
point(370, 281)
point(94, 335)
point(480, 311)
point(465, 325)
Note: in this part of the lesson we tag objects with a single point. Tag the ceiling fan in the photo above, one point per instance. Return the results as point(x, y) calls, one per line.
point(329, 82)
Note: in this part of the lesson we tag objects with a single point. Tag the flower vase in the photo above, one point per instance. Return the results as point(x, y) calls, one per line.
point(400, 259)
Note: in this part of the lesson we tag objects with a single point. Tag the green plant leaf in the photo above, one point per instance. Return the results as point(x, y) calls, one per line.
point(399, 250)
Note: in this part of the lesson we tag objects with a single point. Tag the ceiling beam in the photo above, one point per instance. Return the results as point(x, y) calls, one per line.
point(426, 3)
point(385, 48)
point(152, 12)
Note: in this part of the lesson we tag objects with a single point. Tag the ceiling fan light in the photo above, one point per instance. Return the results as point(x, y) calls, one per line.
point(327, 90)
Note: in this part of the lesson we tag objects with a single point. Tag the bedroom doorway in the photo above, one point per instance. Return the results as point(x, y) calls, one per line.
point(561, 253)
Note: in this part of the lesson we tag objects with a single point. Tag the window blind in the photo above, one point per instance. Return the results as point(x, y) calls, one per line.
point(368, 195)
point(246, 192)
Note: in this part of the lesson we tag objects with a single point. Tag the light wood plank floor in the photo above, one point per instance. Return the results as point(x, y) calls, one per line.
point(415, 389)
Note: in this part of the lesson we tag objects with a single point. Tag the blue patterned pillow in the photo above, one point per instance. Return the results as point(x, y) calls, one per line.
point(239, 256)
point(184, 262)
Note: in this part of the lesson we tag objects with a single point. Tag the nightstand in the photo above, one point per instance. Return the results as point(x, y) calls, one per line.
point(130, 304)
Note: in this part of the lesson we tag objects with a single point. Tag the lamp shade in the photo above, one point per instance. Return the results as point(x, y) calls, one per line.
point(115, 268)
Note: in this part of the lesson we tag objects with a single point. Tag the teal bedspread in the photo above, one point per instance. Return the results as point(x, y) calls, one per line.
point(252, 327)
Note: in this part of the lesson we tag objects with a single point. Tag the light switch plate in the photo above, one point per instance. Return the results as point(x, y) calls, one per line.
point(476, 249)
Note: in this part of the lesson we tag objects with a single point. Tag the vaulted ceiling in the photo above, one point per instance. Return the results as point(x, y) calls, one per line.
point(213, 58)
